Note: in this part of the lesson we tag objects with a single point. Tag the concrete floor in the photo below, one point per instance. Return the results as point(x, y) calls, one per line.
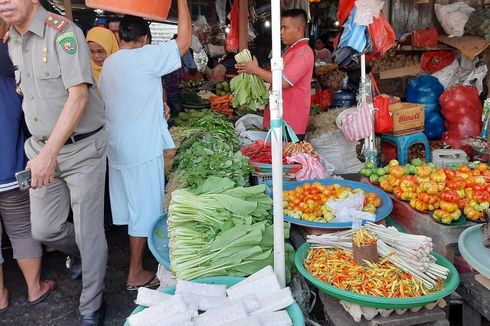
point(61, 307)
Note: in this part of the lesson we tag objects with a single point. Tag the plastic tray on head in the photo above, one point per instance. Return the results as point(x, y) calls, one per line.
point(381, 212)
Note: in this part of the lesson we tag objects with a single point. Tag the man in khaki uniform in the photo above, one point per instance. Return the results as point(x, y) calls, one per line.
point(65, 116)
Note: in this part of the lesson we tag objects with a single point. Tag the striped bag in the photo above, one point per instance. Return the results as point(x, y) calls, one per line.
point(357, 123)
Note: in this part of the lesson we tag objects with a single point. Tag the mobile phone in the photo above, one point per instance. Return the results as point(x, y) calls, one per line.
point(24, 179)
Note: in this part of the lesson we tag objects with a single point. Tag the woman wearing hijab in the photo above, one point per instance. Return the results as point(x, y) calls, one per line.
point(102, 43)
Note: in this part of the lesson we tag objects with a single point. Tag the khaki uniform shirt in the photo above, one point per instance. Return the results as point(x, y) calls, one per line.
point(51, 57)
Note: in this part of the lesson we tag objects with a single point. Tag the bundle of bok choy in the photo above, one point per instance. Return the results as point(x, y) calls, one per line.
point(248, 90)
point(221, 230)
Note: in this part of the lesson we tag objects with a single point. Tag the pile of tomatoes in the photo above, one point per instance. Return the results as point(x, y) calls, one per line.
point(308, 201)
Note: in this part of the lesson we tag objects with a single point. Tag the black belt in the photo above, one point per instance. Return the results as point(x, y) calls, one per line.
point(75, 138)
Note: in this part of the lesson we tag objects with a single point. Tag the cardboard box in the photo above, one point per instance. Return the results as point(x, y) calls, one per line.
point(408, 118)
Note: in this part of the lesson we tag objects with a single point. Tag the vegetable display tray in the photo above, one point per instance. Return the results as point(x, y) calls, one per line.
point(471, 246)
point(381, 212)
point(158, 241)
point(294, 311)
point(450, 285)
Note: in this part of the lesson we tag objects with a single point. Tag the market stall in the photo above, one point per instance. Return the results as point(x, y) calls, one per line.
point(389, 110)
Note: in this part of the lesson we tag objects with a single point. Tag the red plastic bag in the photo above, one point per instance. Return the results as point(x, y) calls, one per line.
point(433, 61)
point(232, 38)
point(425, 37)
point(382, 36)
point(383, 122)
point(462, 110)
point(343, 12)
point(323, 98)
point(382, 117)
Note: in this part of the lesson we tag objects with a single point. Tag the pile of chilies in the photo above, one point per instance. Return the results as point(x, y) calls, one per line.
point(407, 269)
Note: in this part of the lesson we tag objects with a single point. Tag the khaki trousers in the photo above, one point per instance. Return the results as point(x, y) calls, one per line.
point(81, 186)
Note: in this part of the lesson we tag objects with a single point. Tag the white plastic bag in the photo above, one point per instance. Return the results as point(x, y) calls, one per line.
point(453, 17)
point(347, 209)
point(476, 77)
point(366, 10)
point(243, 126)
point(448, 76)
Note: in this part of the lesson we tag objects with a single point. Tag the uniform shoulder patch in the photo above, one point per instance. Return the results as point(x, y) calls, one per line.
point(67, 42)
point(56, 22)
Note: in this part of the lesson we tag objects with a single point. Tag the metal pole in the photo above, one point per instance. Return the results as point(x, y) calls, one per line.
point(275, 102)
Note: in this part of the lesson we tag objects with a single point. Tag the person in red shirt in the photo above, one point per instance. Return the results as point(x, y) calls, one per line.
point(298, 68)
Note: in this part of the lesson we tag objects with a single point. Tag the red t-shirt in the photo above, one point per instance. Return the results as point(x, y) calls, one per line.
point(298, 69)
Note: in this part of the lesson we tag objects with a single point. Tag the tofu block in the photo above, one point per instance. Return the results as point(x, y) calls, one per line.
point(278, 318)
point(204, 302)
point(148, 297)
point(249, 321)
point(211, 290)
point(250, 302)
point(170, 312)
point(221, 316)
point(276, 301)
point(267, 270)
point(261, 287)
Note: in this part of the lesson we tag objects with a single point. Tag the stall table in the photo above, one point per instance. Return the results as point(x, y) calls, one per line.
point(476, 299)
point(444, 237)
point(337, 316)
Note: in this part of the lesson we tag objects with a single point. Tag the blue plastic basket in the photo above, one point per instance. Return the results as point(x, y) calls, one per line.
point(294, 311)
point(381, 212)
point(158, 242)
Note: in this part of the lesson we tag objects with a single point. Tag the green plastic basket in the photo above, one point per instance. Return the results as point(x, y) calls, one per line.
point(294, 311)
point(450, 285)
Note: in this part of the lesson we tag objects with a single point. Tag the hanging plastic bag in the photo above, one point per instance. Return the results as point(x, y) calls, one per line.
point(357, 123)
point(345, 8)
point(433, 61)
point(383, 122)
point(382, 36)
point(232, 38)
point(354, 35)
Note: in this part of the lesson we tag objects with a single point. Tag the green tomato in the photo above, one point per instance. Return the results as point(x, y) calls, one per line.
point(407, 169)
point(374, 178)
point(380, 172)
point(370, 165)
point(382, 178)
point(412, 170)
point(416, 162)
point(363, 171)
point(368, 172)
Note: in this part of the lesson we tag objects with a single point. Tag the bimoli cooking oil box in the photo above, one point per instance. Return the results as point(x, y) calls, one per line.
point(408, 118)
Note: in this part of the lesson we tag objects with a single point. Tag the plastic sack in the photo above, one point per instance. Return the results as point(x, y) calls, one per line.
point(425, 37)
point(243, 126)
point(357, 123)
point(433, 61)
point(453, 17)
point(353, 35)
point(448, 76)
point(323, 98)
point(426, 90)
point(476, 77)
point(462, 109)
point(344, 10)
point(311, 168)
point(382, 36)
point(382, 117)
point(232, 38)
point(367, 10)
point(345, 210)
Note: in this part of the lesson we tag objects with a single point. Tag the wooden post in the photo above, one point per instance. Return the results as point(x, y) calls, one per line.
point(68, 10)
point(243, 24)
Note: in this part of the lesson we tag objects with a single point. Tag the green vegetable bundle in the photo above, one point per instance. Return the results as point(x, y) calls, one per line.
point(222, 230)
point(248, 90)
point(204, 155)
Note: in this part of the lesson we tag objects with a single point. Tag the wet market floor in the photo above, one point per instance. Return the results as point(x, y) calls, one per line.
point(61, 307)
